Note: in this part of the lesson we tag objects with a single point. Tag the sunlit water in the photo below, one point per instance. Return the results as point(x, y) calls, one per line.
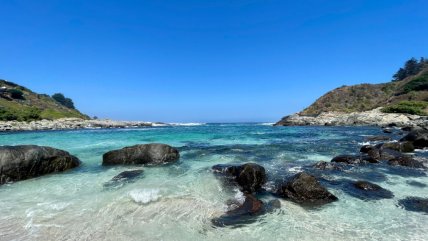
point(177, 202)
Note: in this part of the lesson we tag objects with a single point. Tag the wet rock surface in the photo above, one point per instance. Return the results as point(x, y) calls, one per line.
point(250, 177)
point(147, 154)
point(28, 161)
point(306, 189)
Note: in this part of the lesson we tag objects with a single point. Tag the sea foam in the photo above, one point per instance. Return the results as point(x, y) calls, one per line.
point(145, 196)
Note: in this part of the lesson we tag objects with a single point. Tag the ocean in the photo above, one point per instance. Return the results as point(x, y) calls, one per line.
point(178, 201)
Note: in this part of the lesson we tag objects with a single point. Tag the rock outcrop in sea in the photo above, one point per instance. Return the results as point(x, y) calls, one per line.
point(147, 154)
point(28, 161)
point(373, 117)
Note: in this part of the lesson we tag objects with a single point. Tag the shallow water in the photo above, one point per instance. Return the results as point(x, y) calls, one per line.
point(178, 201)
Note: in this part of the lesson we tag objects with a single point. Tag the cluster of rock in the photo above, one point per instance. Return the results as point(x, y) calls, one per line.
point(28, 161)
point(373, 117)
point(304, 188)
point(70, 123)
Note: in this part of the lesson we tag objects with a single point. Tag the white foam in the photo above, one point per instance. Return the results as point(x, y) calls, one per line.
point(187, 124)
point(239, 196)
point(145, 196)
point(267, 124)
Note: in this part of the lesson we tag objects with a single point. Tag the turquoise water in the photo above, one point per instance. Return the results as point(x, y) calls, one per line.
point(177, 202)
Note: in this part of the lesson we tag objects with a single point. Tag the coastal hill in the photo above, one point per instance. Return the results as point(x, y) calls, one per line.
point(407, 93)
point(21, 104)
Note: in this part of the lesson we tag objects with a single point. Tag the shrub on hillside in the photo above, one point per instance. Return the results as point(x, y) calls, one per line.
point(60, 98)
point(417, 84)
point(16, 94)
point(408, 107)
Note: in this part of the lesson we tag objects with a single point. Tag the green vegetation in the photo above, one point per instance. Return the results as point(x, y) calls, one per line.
point(409, 107)
point(60, 98)
point(13, 105)
point(16, 94)
point(411, 67)
point(417, 84)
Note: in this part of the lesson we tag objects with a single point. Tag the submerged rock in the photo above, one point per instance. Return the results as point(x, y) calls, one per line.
point(419, 138)
point(243, 214)
point(250, 176)
point(148, 154)
point(368, 191)
point(306, 189)
point(246, 213)
point(414, 204)
point(416, 184)
point(28, 161)
point(123, 177)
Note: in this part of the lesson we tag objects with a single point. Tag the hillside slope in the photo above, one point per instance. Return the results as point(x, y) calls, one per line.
point(22, 104)
point(365, 97)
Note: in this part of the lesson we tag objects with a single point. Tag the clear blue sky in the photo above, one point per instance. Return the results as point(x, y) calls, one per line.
point(205, 61)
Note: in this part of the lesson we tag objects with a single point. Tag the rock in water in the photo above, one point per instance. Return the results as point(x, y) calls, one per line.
point(406, 161)
point(148, 154)
point(244, 214)
point(305, 188)
point(250, 177)
point(414, 204)
point(368, 191)
point(28, 161)
point(123, 177)
point(419, 138)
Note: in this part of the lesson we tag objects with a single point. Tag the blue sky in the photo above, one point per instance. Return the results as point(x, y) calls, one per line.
point(205, 61)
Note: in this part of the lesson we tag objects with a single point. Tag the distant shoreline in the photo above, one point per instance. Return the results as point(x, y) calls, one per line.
point(366, 118)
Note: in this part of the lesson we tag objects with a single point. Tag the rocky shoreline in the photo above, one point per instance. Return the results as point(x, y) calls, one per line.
point(367, 118)
point(71, 123)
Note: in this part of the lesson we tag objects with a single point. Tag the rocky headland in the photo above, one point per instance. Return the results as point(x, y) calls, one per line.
point(71, 123)
point(365, 118)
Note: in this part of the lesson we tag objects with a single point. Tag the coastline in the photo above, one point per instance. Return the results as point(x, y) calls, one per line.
point(367, 118)
point(71, 124)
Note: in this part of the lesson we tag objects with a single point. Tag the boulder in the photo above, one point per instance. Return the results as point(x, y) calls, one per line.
point(148, 154)
point(366, 148)
point(306, 189)
point(378, 138)
point(354, 159)
point(419, 138)
point(28, 161)
point(250, 176)
point(405, 146)
point(414, 204)
point(368, 191)
point(322, 165)
point(406, 161)
point(124, 177)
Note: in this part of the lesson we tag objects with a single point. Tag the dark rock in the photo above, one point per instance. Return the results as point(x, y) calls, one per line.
point(369, 191)
point(366, 148)
point(414, 204)
point(387, 130)
point(406, 161)
point(407, 128)
point(419, 138)
point(123, 177)
point(250, 177)
point(28, 161)
point(148, 154)
point(305, 188)
point(349, 159)
point(322, 165)
point(388, 154)
point(405, 146)
point(392, 125)
point(416, 184)
point(378, 138)
point(243, 214)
